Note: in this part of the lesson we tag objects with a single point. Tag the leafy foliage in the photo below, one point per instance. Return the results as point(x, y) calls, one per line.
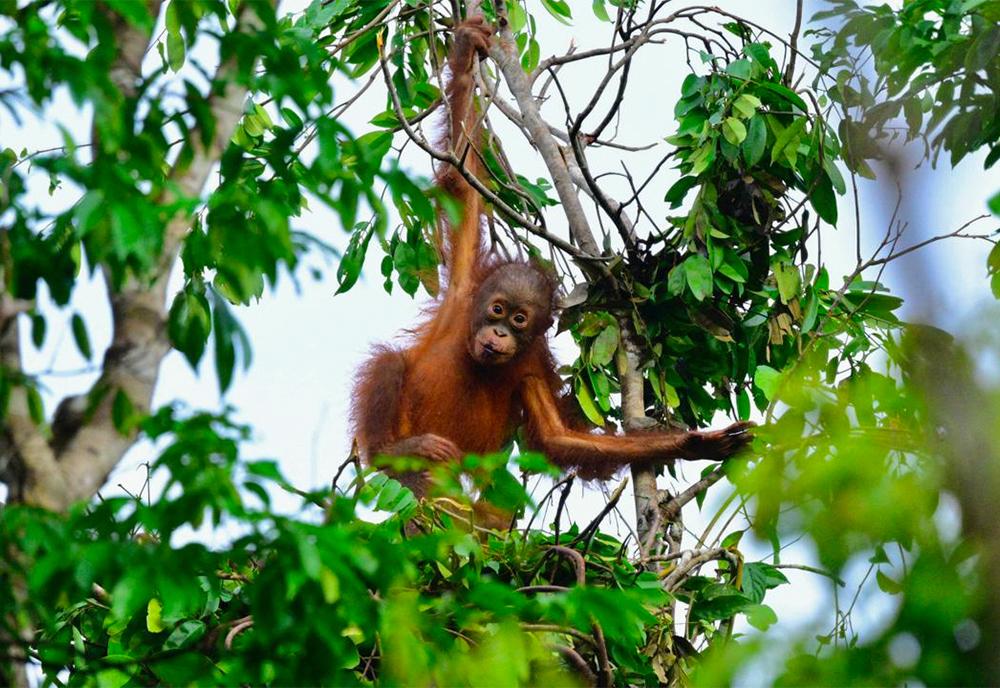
point(937, 64)
point(731, 297)
point(120, 592)
point(726, 307)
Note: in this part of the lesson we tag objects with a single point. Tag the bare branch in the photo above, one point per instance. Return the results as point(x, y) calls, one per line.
point(793, 45)
point(505, 55)
point(44, 482)
point(692, 560)
point(673, 507)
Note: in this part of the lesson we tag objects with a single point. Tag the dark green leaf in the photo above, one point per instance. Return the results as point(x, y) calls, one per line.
point(756, 138)
point(994, 204)
point(185, 635)
point(699, 276)
point(38, 326)
point(80, 336)
point(677, 192)
point(189, 324)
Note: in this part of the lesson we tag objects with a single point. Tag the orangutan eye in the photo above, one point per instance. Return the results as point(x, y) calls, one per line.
point(520, 320)
point(497, 309)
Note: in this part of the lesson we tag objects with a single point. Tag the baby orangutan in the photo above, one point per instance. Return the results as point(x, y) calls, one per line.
point(481, 367)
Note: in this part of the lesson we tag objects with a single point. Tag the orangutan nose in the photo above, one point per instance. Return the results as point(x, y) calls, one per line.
point(498, 332)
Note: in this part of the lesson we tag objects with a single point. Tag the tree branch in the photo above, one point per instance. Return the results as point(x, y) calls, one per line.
point(504, 54)
point(29, 443)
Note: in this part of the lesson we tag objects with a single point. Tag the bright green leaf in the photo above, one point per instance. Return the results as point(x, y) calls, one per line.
point(767, 379)
point(154, 616)
point(734, 130)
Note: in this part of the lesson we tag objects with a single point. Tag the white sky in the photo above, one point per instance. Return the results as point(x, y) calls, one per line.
point(308, 343)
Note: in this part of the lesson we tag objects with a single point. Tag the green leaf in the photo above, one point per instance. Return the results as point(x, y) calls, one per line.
point(229, 339)
point(175, 41)
point(703, 157)
point(291, 118)
point(759, 577)
point(734, 268)
point(36, 407)
point(760, 616)
point(785, 93)
point(123, 413)
point(993, 260)
point(699, 276)
point(746, 105)
point(265, 469)
point(734, 130)
point(823, 200)
point(604, 346)
point(112, 678)
point(80, 336)
point(720, 607)
point(994, 204)
point(154, 616)
point(766, 380)
point(558, 9)
point(969, 5)
point(691, 85)
point(753, 145)
point(741, 69)
point(836, 178)
point(189, 324)
point(38, 327)
point(354, 257)
point(879, 556)
point(788, 279)
point(888, 585)
point(811, 311)
point(600, 11)
point(587, 404)
point(531, 56)
point(676, 280)
point(185, 635)
point(330, 584)
point(693, 123)
point(788, 140)
point(732, 540)
point(743, 404)
point(677, 192)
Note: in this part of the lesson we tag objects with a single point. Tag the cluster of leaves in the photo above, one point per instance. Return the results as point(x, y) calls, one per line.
point(863, 464)
point(730, 298)
point(119, 592)
point(936, 63)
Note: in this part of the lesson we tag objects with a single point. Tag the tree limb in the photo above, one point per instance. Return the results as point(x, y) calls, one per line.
point(504, 54)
